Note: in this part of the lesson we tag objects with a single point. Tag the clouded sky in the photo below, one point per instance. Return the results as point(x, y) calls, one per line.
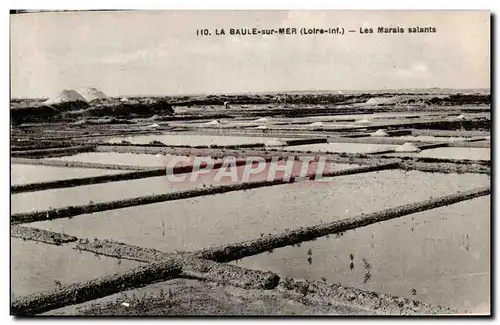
point(158, 53)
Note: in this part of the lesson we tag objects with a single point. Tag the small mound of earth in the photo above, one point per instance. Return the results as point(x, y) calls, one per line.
point(379, 133)
point(407, 147)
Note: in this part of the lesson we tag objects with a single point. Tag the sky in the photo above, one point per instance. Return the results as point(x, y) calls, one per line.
point(125, 53)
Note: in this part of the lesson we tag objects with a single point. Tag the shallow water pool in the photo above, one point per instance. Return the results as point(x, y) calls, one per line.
point(450, 153)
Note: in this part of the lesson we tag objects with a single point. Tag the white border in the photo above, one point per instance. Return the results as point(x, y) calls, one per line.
point(186, 4)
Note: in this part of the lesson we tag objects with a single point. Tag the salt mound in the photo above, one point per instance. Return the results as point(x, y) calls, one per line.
point(316, 124)
point(275, 143)
point(262, 119)
point(379, 133)
point(363, 121)
point(262, 127)
point(67, 95)
point(91, 94)
point(124, 99)
point(407, 147)
point(461, 117)
point(214, 122)
point(153, 126)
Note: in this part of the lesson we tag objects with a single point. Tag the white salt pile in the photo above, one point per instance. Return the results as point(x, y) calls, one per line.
point(275, 143)
point(262, 119)
point(316, 124)
point(461, 117)
point(153, 126)
point(262, 127)
point(363, 121)
point(214, 122)
point(66, 95)
point(407, 147)
point(379, 133)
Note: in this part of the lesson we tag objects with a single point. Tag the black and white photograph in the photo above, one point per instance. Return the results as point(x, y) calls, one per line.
point(250, 162)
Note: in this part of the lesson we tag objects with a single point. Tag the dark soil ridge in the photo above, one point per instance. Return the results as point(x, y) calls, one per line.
point(71, 211)
point(291, 142)
point(80, 109)
point(481, 125)
point(314, 99)
point(41, 235)
point(192, 267)
point(80, 135)
point(30, 111)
